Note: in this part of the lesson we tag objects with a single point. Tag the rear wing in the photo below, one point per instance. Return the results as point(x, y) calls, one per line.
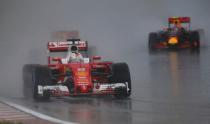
point(172, 20)
point(62, 46)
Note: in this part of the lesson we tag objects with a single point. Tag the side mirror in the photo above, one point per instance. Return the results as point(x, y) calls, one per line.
point(96, 58)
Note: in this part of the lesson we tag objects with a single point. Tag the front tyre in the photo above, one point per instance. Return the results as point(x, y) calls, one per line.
point(121, 74)
point(153, 39)
point(27, 80)
point(40, 77)
point(195, 40)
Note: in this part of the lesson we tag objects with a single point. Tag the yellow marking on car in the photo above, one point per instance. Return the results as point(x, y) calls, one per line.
point(173, 40)
point(81, 73)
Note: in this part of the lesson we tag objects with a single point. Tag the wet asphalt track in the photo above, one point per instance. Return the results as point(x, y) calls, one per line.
point(169, 87)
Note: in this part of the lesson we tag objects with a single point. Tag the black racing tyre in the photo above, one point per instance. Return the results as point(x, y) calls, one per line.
point(27, 80)
point(121, 74)
point(195, 40)
point(153, 39)
point(34, 75)
point(41, 76)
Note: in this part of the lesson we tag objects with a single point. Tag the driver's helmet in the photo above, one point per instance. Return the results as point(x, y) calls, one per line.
point(177, 24)
point(74, 49)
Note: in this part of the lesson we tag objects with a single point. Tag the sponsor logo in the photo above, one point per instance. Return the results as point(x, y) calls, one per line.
point(67, 44)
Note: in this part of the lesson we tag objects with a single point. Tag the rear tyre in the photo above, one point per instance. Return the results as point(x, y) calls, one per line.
point(121, 74)
point(195, 40)
point(153, 39)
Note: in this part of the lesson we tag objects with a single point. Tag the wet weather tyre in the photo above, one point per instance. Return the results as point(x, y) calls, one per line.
point(195, 40)
point(27, 80)
point(121, 74)
point(40, 77)
point(153, 38)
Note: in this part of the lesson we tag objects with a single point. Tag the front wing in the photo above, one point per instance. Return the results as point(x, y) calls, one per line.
point(99, 89)
point(165, 45)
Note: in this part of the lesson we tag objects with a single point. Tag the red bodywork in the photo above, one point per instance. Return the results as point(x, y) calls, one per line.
point(180, 19)
point(81, 73)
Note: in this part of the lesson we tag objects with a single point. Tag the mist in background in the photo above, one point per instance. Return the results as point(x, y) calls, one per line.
point(116, 29)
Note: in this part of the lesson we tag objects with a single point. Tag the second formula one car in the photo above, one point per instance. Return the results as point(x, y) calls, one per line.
point(90, 77)
point(177, 35)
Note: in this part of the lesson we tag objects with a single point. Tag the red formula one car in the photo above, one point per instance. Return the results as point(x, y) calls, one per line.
point(90, 77)
point(177, 35)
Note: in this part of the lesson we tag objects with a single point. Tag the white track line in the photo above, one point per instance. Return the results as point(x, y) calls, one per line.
point(36, 114)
